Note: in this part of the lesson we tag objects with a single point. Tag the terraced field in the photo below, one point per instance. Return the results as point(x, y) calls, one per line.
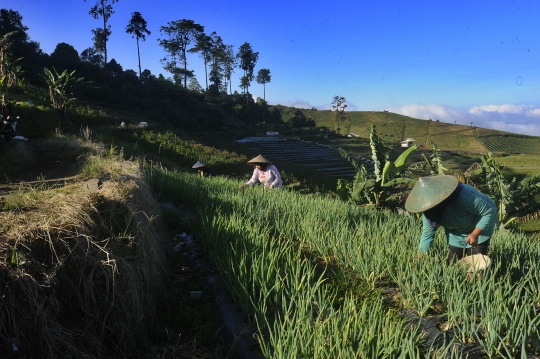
point(321, 158)
point(462, 144)
point(393, 128)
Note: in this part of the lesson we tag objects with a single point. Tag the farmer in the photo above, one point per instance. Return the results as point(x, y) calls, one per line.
point(265, 172)
point(204, 169)
point(467, 215)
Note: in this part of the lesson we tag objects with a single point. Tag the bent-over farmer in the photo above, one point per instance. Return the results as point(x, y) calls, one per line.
point(467, 215)
point(204, 169)
point(264, 172)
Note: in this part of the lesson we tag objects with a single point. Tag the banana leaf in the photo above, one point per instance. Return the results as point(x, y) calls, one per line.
point(342, 189)
point(396, 181)
point(361, 186)
point(393, 168)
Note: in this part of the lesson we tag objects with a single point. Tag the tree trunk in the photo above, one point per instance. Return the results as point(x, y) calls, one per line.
point(206, 74)
point(104, 32)
point(139, 56)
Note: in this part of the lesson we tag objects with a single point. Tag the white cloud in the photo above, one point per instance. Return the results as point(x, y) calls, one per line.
point(504, 109)
point(522, 119)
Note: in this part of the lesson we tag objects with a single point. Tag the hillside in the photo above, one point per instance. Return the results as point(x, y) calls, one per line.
point(393, 128)
point(461, 145)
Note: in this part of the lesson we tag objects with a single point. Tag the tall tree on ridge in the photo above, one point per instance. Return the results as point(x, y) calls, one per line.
point(194, 85)
point(203, 45)
point(217, 72)
point(137, 28)
point(21, 46)
point(263, 77)
point(248, 59)
point(229, 63)
point(103, 9)
point(181, 33)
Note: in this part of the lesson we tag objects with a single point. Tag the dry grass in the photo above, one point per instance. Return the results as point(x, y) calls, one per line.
point(79, 270)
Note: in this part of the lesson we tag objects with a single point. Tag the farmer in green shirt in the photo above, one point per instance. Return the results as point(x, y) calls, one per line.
point(467, 215)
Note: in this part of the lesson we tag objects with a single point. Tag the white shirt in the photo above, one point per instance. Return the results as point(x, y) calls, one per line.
point(269, 178)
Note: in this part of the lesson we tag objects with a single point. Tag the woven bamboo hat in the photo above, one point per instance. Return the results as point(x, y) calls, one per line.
point(259, 159)
point(429, 192)
point(199, 164)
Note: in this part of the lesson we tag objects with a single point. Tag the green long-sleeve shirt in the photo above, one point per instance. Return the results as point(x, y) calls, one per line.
point(471, 209)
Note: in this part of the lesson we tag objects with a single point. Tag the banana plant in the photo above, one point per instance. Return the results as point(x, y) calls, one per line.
point(506, 193)
point(374, 187)
point(10, 74)
point(434, 165)
point(59, 84)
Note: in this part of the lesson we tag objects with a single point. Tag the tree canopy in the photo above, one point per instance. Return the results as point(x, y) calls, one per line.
point(137, 28)
point(180, 34)
point(103, 9)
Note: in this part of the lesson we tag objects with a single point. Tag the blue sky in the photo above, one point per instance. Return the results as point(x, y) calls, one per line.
point(463, 60)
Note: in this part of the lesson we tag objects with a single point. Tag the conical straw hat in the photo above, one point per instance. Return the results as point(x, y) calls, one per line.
point(259, 159)
point(199, 164)
point(429, 192)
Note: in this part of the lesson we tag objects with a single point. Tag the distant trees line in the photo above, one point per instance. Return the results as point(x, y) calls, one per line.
point(176, 38)
point(175, 99)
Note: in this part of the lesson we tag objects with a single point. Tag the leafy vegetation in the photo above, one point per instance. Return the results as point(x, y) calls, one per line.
point(376, 186)
point(266, 259)
point(507, 193)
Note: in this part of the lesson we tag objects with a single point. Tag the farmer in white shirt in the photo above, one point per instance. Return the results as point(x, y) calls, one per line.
point(264, 172)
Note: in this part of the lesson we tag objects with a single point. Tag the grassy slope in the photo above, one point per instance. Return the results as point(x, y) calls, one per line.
point(461, 145)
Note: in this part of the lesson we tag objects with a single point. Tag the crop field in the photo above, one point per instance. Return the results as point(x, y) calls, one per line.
point(323, 159)
point(322, 278)
point(393, 128)
point(511, 144)
point(500, 144)
point(520, 165)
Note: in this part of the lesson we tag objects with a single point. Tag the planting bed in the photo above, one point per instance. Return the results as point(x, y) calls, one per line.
point(324, 159)
point(269, 248)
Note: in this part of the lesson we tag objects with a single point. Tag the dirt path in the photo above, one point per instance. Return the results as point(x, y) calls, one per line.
point(34, 162)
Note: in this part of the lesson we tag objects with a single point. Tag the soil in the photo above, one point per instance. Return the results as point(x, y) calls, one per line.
point(34, 161)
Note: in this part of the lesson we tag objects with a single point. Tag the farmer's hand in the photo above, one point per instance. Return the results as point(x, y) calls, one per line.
point(242, 186)
point(472, 239)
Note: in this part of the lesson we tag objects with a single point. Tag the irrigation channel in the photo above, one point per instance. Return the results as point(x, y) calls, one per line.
point(321, 158)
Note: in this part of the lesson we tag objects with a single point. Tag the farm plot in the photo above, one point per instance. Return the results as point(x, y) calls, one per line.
point(500, 144)
point(323, 159)
point(272, 249)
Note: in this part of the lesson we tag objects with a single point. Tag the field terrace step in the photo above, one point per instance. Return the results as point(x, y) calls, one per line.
point(304, 153)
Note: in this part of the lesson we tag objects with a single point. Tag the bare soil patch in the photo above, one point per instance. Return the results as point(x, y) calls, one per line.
point(35, 161)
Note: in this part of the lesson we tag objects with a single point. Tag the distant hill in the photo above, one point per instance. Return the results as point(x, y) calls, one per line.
point(393, 128)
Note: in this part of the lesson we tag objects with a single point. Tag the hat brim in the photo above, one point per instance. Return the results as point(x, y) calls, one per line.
point(199, 164)
point(259, 159)
point(429, 192)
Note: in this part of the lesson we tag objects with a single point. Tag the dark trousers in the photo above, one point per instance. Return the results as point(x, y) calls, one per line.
point(456, 253)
